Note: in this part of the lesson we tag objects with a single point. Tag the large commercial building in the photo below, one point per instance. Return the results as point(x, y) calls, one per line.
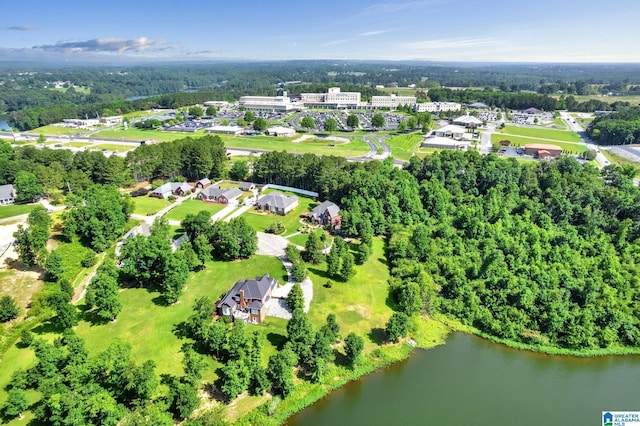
point(267, 103)
point(334, 98)
point(392, 101)
point(437, 106)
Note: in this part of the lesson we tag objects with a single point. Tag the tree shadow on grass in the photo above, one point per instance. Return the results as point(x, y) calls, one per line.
point(91, 316)
point(320, 273)
point(277, 340)
point(47, 328)
point(378, 335)
point(160, 300)
point(19, 266)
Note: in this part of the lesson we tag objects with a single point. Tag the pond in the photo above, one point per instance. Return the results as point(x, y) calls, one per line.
point(471, 381)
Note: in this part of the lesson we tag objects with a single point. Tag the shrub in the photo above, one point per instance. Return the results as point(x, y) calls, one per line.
point(8, 309)
point(88, 260)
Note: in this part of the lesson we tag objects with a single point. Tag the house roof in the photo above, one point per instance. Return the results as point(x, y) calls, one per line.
point(445, 142)
point(254, 291)
point(245, 186)
point(6, 191)
point(278, 200)
point(478, 105)
point(451, 128)
point(543, 146)
point(280, 130)
point(467, 119)
point(172, 186)
point(216, 191)
point(532, 110)
point(204, 181)
point(327, 205)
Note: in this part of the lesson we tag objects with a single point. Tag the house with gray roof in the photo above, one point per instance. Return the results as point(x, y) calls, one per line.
point(248, 299)
point(172, 188)
point(326, 213)
point(7, 194)
point(215, 194)
point(203, 183)
point(247, 186)
point(277, 203)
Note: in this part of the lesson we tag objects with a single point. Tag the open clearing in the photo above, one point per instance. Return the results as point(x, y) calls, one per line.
point(192, 207)
point(521, 141)
point(541, 133)
point(147, 205)
point(16, 210)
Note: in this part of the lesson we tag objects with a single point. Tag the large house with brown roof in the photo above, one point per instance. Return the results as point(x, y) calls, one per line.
point(248, 299)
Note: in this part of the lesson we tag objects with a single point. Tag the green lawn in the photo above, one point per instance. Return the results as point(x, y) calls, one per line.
point(354, 148)
point(148, 326)
point(301, 239)
point(404, 147)
point(135, 134)
point(113, 147)
point(77, 144)
point(72, 254)
point(521, 141)
point(147, 205)
point(192, 207)
point(541, 133)
point(619, 160)
point(260, 221)
point(54, 130)
point(360, 304)
point(16, 210)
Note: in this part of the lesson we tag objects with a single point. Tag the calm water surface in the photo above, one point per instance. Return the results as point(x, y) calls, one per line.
point(470, 381)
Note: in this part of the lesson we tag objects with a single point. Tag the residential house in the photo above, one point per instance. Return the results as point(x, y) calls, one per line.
point(278, 203)
point(203, 183)
point(215, 194)
point(247, 186)
point(248, 299)
point(172, 188)
point(326, 213)
point(7, 194)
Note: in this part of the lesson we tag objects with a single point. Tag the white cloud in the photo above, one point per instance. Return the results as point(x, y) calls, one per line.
point(336, 42)
point(109, 45)
point(374, 33)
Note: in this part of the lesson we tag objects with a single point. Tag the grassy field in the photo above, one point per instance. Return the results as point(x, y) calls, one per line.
point(400, 91)
point(72, 254)
point(521, 141)
point(78, 144)
point(260, 221)
point(633, 99)
point(192, 207)
point(541, 133)
point(112, 147)
point(361, 304)
point(141, 135)
point(148, 205)
point(16, 210)
point(404, 147)
point(54, 130)
point(354, 148)
point(619, 160)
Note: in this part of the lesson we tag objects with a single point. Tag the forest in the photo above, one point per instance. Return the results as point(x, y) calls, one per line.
point(540, 253)
point(618, 128)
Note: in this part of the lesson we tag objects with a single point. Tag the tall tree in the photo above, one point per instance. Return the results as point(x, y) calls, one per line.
point(31, 241)
point(27, 187)
point(330, 125)
point(8, 309)
point(313, 249)
point(377, 121)
point(353, 345)
point(353, 121)
point(308, 123)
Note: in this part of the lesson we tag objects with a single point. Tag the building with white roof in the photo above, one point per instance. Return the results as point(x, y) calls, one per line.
point(445, 143)
point(451, 131)
point(225, 130)
point(281, 131)
point(468, 121)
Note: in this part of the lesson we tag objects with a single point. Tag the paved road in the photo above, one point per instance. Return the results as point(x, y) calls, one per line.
point(600, 159)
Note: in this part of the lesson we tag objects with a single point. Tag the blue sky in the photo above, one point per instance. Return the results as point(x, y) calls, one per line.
point(439, 30)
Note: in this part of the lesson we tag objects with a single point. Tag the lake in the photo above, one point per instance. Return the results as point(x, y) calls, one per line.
point(471, 381)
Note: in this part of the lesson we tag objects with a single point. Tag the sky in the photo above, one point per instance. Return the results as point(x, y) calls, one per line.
point(258, 30)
